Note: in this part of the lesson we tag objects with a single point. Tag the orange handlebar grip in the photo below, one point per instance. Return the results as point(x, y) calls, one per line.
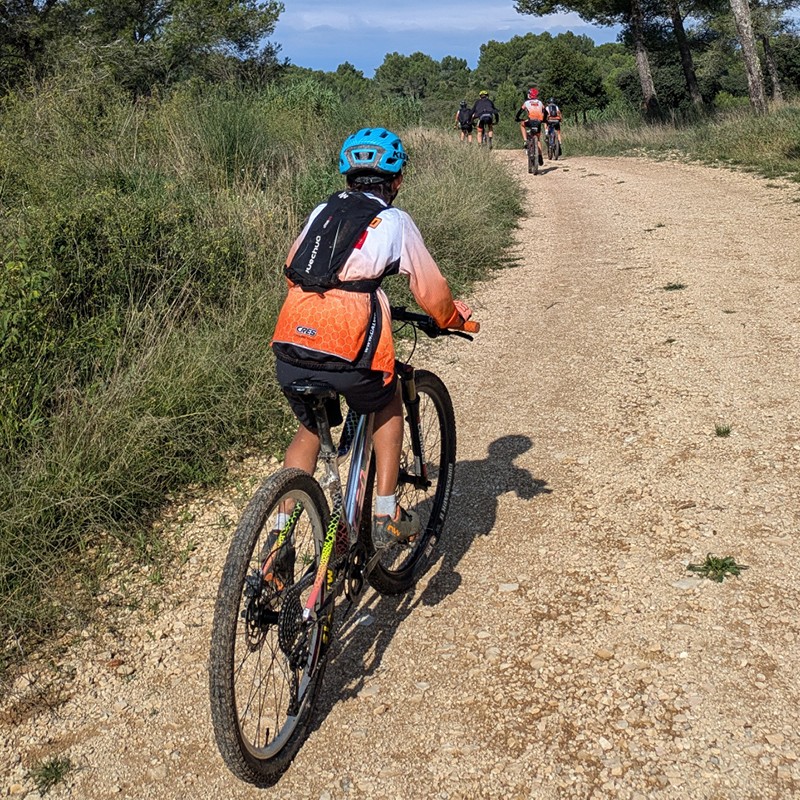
point(471, 326)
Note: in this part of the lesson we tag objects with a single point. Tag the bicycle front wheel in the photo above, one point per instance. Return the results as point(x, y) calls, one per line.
point(424, 486)
point(266, 663)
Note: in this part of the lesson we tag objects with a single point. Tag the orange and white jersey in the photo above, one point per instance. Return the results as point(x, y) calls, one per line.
point(535, 109)
point(344, 324)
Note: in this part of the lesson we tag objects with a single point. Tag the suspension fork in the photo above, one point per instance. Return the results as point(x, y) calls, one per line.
point(408, 386)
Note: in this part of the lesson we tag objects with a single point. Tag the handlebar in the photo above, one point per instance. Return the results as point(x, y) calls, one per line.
point(428, 325)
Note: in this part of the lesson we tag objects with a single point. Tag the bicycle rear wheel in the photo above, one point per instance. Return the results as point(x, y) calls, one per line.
point(552, 145)
point(533, 162)
point(266, 664)
point(424, 486)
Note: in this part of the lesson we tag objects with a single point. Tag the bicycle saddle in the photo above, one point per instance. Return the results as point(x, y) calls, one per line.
point(310, 387)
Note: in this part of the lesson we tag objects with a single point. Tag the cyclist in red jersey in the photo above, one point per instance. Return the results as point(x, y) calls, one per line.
point(532, 111)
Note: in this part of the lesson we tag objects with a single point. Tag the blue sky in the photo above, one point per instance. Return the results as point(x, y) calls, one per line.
point(322, 35)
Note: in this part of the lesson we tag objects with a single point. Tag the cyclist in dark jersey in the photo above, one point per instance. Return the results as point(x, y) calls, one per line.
point(485, 114)
point(464, 121)
point(554, 119)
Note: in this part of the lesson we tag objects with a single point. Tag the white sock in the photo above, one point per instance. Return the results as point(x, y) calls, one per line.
point(385, 505)
point(280, 521)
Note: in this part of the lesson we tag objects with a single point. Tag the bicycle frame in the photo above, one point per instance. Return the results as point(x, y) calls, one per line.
point(552, 135)
point(341, 535)
point(534, 133)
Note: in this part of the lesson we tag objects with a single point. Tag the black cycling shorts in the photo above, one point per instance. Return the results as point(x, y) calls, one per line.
point(556, 124)
point(362, 388)
point(466, 127)
point(486, 119)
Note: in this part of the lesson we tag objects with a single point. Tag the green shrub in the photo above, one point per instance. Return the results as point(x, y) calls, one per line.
point(141, 278)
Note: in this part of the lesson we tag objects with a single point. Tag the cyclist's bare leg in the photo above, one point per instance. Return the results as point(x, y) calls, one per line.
point(387, 439)
point(303, 451)
point(523, 132)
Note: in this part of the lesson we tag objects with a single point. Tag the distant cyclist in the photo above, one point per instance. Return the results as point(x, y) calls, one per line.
point(464, 121)
point(485, 115)
point(554, 119)
point(531, 116)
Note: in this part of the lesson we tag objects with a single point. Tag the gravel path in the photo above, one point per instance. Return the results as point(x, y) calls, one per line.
point(560, 649)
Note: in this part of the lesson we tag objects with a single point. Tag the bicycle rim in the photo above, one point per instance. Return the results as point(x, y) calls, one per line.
point(424, 486)
point(266, 664)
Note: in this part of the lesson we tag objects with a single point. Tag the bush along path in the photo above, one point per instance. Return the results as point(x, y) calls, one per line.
point(628, 414)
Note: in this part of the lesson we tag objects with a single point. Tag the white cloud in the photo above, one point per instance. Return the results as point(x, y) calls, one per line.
point(417, 16)
point(323, 35)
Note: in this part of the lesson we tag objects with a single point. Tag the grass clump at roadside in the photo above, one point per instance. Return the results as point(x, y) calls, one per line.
point(143, 246)
point(769, 145)
point(49, 774)
point(716, 568)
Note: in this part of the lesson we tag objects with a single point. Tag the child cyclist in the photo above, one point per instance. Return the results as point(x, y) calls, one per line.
point(335, 323)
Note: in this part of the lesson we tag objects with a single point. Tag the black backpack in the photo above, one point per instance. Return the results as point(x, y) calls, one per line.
point(329, 241)
point(464, 116)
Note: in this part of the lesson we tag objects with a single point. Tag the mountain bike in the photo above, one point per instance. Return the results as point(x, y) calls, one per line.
point(553, 147)
point(296, 564)
point(532, 146)
point(484, 129)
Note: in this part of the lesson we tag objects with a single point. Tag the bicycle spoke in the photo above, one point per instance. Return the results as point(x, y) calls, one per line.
point(260, 704)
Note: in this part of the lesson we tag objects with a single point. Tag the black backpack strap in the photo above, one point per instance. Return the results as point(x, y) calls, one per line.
point(329, 242)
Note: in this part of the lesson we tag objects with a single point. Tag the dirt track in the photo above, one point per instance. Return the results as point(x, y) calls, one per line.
point(560, 649)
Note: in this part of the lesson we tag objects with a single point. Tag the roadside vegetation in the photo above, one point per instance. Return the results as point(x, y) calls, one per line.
point(768, 145)
point(143, 246)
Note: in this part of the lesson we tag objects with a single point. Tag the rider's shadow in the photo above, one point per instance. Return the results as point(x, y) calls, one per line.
point(473, 511)
point(473, 507)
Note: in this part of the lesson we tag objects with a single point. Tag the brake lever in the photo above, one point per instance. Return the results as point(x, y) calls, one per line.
point(431, 331)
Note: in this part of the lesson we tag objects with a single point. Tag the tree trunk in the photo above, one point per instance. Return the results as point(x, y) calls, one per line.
point(772, 69)
point(755, 81)
point(649, 96)
point(687, 62)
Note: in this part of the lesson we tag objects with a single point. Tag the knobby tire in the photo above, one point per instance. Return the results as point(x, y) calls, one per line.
point(259, 719)
point(533, 155)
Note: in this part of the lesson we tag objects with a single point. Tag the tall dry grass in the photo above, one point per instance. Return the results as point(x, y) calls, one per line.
point(769, 145)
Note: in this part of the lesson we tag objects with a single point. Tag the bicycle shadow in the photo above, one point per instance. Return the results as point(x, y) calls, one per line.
point(365, 637)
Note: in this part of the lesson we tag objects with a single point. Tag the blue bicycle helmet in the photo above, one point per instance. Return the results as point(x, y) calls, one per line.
point(372, 150)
